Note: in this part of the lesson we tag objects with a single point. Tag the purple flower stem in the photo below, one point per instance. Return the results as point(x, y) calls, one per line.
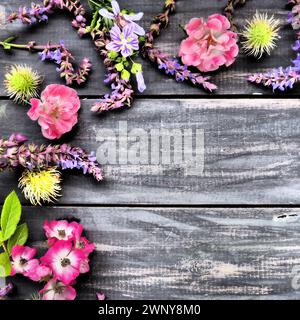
point(14, 153)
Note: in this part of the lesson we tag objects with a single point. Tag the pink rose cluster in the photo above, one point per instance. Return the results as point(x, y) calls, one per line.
point(56, 111)
point(210, 44)
point(66, 258)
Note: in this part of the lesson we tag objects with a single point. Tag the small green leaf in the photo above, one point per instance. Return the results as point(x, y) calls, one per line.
point(119, 66)
point(5, 265)
point(125, 75)
point(136, 67)
point(10, 216)
point(19, 237)
point(6, 46)
point(9, 40)
point(142, 39)
point(112, 55)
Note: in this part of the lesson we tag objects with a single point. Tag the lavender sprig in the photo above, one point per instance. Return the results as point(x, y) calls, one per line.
point(279, 78)
point(231, 6)
point(40, 13)
point(170, 65)
point(58, 54)
point(34, 14)
point(14, 153)
point(63, 57)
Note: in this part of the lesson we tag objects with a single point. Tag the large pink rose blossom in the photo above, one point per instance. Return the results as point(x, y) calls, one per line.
point(210, 44)
point(64, 260)
point(57, 111)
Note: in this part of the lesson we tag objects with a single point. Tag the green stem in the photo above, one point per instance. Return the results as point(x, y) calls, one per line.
point(13, 45)
point(94, 21)
point(8, 45)
point(5, 249)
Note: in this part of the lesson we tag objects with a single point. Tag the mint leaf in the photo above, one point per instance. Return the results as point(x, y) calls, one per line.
point(136, 67)
point(10, 216)
point(113, 55)
point(119, 66)
point(5, 265)
point(125, 75)
point(19, 237)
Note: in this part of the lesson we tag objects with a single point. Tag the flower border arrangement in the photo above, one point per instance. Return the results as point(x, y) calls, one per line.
point(118, 39)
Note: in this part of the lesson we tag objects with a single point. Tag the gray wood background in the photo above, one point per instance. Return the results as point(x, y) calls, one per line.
point(159, 232)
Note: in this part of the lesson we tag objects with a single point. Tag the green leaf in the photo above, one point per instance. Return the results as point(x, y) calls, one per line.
point(119, 66)
point(6, 46)
point(113, 55)
point(94, 5)
point(142, 39)
point(10, 216)
point(125, 75)
point(1, 235)
point(136, 67)
point(5, 265)
point(9, 40)
point(19, 237)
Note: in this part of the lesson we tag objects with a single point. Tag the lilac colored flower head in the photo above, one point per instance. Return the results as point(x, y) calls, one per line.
point(123, 19)
point(123, 41)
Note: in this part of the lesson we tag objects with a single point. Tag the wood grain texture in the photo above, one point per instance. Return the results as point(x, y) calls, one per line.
point(251, 152)
point(148, 253)
point(230, 81)
point(251, 156)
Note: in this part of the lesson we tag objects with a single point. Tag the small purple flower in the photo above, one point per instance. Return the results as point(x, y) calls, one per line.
point(140, 81)
point(100, 296)
point(123, 19)
point(296, 46)
point(123, 41)
point(5, 290)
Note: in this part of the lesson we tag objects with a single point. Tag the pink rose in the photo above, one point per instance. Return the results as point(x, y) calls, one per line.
point(57, 290)
point(22, 260)
point(57, 111)
point(210, 44)
point(64, 261)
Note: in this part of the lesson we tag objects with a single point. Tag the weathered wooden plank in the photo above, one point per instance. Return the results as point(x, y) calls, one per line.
point(250, 154)
point(167, 253)
point(230, 81)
